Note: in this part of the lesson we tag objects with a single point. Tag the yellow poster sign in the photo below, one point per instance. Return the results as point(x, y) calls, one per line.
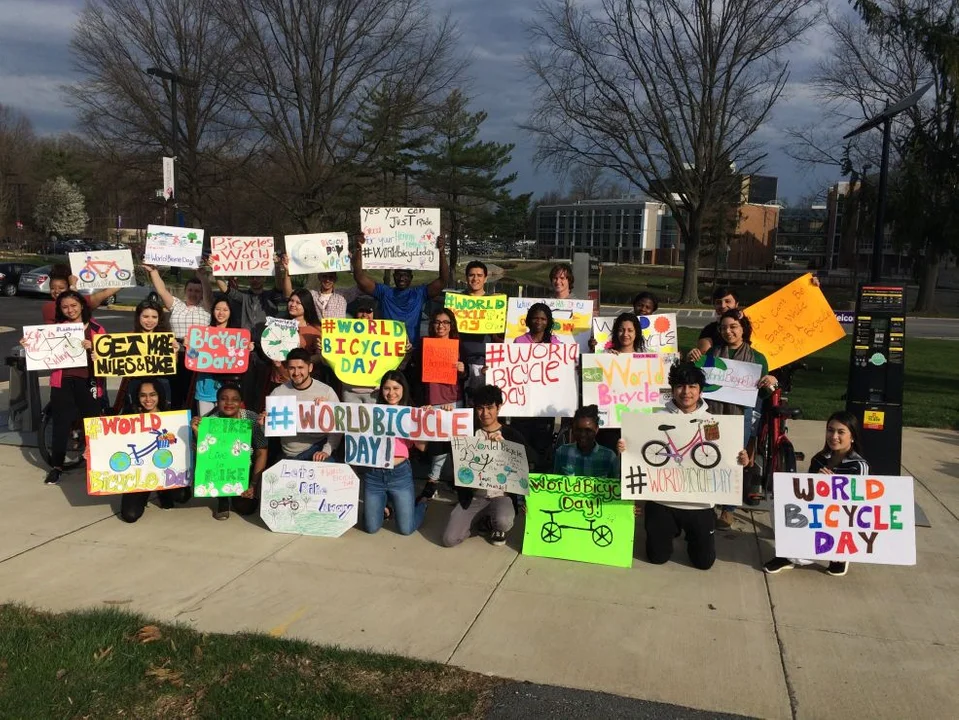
point(873, 420)
point(480, 315)
point(362, 351)
point(572, 319)
point(793, 322)
point(134, 354)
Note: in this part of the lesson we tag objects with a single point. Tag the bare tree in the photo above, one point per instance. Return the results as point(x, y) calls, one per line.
point(588, 182)
point(16, 152)
point(664, 93)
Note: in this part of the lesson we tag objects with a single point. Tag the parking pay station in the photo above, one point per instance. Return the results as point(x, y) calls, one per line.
point(876, 374)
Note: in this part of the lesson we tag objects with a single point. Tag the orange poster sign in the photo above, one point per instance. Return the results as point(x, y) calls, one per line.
point(793, 322)
point(440, 357)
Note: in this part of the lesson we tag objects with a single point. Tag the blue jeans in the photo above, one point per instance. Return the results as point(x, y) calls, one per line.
point(397, 485)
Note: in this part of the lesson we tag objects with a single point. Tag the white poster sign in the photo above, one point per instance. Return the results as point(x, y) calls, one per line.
point(279, 336)
point(173, 246)
point(659, 332)
point(101, 269)
point(310, 498)
point(318, 253)
point(730, 381)
point(484, 464)
point(169, 187)
point(572, 319)
point(682, 458)
point(403, 238)
point(624, 383)
point(241, 256)
point(54, 347)
point(537, 379)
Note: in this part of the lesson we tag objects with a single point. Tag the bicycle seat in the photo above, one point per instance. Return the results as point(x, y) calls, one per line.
point(787, 412)
point(664, 428)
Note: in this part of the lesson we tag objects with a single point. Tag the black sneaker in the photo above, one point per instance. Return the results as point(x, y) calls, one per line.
point(837, 569)
point(497, 537)
point(222, 511)
point(485, 526)
point(53, 477)
point(429, 490)
point(778, 564)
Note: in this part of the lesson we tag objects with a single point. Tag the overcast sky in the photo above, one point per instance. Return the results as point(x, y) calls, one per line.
point(35, 62)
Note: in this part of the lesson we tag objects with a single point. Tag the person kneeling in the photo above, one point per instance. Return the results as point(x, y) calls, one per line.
point(495, 507)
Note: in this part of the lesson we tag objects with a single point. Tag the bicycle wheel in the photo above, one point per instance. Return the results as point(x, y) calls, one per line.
point(656, 453)
point(551, 532)
point(706, 455)
point(87, 275)
point(123, 274)
point(163, 458)
point(74, 454)
point(602, 536)
point(785, 457)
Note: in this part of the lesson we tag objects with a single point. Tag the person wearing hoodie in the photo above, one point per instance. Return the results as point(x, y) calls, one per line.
point(666, 521)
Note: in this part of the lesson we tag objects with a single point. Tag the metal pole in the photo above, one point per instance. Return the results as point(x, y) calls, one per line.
point(881, 204)
point(176, 149)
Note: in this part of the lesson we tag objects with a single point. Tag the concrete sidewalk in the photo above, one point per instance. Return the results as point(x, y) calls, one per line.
point(880, 642)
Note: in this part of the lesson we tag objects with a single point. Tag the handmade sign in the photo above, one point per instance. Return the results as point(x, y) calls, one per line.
point(243, 256)
point(279, 336)
point(624, 383)
point(368, 451)
point(658, 331)
point(138, 453)
point(362, 351)
point(482, 315)
point(134, 354)
point(217, 350)
point(53, 347)
point(102, 269)
point(223, 457)
point(402, 238)
point(537, 379)
point(173, 246)
point(484, 464)
point(854, 518)
point(572, 319)
point(318, 253)
point(730, 381)
point(309, 498)
point(793, 322)
point(578, 518)
point(440, 357)
point(675, 457)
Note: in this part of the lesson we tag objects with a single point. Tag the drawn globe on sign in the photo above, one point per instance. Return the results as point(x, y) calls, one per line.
point(501, 478)
point(307, 254)
point(465, 476)
point(709, 361)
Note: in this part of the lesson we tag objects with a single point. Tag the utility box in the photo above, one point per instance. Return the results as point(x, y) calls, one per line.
point(877, 374)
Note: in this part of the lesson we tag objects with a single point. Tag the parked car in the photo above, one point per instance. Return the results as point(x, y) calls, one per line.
point(37, 282)
point(10, 276)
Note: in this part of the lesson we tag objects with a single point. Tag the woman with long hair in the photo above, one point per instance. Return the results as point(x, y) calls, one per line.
point(300, 307)
point(207, 384)
point(150, 317)
point(626, 335)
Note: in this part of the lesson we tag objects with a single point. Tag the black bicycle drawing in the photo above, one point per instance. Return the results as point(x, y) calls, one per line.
point(703, 452)
point(552, 531)
point(288, 501)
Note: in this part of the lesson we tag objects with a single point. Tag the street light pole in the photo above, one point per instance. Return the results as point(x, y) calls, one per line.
point(175, 134)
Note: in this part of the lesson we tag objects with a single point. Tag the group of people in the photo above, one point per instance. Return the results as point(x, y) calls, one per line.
point(389, 495)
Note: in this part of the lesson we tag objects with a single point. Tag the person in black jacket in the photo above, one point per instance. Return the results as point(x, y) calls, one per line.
point(474, 506)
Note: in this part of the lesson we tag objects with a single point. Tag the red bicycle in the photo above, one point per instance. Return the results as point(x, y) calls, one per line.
point(774, 450)
point(92, 268)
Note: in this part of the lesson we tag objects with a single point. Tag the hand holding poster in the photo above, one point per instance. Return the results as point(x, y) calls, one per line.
point(537, 379)
point(138, 453)
point(241, 256)
point(682, 458)
point(134, 354)
point(403, 238)
point(624, 383)
point(730, 381)
point(578, 518)
point(223, 457)
point(318, 253)
point(308, 498)
point(173, 246)
point(440, 359)
point(793, 322)
point(658, 331)
point(572, 319)
point(279, 336)
point(478, 315)
point(102, 269)
point(362, 351)
point(217, 350)
point(864, 518)
point(53, 347)
point(484, 464)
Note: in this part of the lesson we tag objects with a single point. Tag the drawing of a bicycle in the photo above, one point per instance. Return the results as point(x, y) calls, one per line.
point(160, 447)
point(92, 268)
point(288, 501)
point(704, 453)
point(552, 531)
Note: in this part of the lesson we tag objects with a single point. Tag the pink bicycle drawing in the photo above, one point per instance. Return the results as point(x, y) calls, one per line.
point(704, 453)
point(92, 268)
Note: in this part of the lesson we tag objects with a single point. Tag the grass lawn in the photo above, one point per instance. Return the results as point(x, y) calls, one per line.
point(109, 663)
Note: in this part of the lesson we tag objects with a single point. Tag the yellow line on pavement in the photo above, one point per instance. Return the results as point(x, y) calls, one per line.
point(281, 629)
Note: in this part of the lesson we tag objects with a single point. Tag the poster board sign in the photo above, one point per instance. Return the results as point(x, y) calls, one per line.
point(478, 315)
point(241, 256)
point(793, 322)
point(862, 518)
point(624, 383)
point(54, 347)
point(279, 336)
point(403, 238)
point(440, 358)
point(217, 350)
point(173, 246)
point(675, 457)
point(138, 453)
point(537, 379)
point(572, 319)
point(730, 381)
point(309, 498)
point(134, 354)
point(96, 270)
point(223, 457)
point(362, 351)
point(578, 518)
point(318, 253)
point(484, 464)
point(659, 332)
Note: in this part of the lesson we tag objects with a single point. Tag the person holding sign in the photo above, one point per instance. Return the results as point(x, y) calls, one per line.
point(473, 345)
point(149, 317)
point(401, 302)
point(645, 303)
point(328, 302)
point(839, 456)
point(300, 307)
point(724, 299)
point(495, 507)
point(584, 456)
point(60, 281)
point(361, 393)
point(208, 384)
